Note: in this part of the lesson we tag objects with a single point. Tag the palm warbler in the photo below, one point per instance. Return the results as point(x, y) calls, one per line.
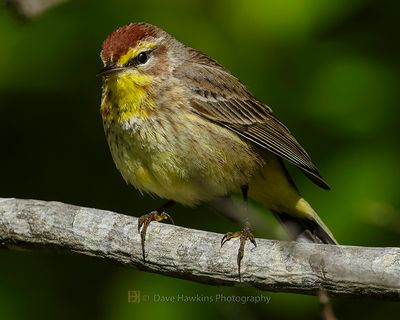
point(180, 126)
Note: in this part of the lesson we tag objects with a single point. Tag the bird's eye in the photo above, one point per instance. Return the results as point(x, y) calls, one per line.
point(142, 57)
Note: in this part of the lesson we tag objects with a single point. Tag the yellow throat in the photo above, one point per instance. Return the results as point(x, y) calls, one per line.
point(125, 96)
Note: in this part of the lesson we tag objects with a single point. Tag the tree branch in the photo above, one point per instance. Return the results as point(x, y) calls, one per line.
point(196, 255)
point(31, 8)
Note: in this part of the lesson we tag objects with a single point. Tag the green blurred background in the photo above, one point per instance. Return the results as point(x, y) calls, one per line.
point(329, 69)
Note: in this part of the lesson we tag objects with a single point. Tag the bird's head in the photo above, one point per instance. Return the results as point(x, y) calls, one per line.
point(137, 60)
point(136, 48)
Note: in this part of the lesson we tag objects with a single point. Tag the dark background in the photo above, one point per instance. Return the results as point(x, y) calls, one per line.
point(330, 71)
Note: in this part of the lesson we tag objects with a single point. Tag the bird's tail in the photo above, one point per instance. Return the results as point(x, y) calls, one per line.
point(275, 189)
point(305, 229)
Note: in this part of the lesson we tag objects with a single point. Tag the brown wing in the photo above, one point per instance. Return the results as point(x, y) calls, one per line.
point(221, 98)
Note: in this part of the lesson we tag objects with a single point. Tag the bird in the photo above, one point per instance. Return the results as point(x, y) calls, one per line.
point(180, 126)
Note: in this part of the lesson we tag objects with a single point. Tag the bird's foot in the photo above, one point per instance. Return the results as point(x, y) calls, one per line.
point(144, 221)
point(243, 235)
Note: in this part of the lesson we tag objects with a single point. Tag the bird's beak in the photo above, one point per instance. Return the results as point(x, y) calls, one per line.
point(107, 70)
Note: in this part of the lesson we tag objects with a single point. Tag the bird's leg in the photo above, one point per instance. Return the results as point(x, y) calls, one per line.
point(243, 235)
point(158, 215)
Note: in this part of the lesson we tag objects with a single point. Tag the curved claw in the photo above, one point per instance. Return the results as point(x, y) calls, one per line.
point(224, 239)
point(228, 236)
point(253, 241)
point(166, 216)
point(140, 222)
point(144, 221)
point(249, 236)
point(240, 254)
point(143, 239)
point(243, 235)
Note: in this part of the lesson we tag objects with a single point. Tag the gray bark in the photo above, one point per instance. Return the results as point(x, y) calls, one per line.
point(196, 255)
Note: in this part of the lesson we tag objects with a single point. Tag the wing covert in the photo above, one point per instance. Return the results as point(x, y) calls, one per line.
point(220, 97)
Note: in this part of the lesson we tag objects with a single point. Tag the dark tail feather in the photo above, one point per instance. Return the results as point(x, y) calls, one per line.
point(305, 229)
